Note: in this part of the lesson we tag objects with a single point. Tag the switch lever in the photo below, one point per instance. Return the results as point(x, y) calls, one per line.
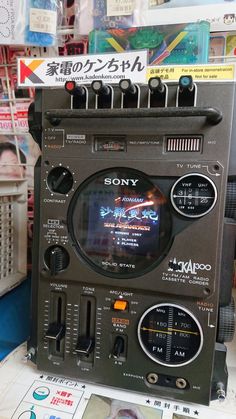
point(74, 89)
point(118, 347)
point(104, 95)
point(186, 93)
point(130, 94)
point(78, 93)
point(157, 93)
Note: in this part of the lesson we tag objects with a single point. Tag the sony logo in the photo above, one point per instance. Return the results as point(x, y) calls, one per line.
point(116, 181)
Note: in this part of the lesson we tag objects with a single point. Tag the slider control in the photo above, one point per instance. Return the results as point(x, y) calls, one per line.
point(78, 93)
point(56, 328)
point(55, 331)
point(104, 94)
point(157, 92)
point(186, 93)
point(86, 339)
point(85, 346)
point(130, 94)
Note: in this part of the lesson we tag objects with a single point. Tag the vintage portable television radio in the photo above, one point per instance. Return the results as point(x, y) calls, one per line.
point(134, 247)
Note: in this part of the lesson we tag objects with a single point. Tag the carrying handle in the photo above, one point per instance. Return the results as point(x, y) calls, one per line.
point(213, 116)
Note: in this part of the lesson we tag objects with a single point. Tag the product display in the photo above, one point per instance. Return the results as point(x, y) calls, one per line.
point(28, 22)
point(115, 14)
point(13, 219)
point(222, 47)
point(117, 207)
point(103, 14)
point(42, 24)
point(132, 276)
point(169, 44)
point(217, 47)
point(219, 13)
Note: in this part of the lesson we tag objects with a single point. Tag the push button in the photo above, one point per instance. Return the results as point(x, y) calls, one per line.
point(120, 305)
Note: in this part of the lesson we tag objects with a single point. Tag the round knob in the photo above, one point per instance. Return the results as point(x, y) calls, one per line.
point(226, 323)
point(127, 86)
point(155, 85)
point(100, 88)
point(186, 83)
point(56, 259)
point(60, 180)
point(74, 89)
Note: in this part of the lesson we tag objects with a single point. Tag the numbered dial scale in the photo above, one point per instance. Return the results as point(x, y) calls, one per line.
point(170, 335)
point(193, 195)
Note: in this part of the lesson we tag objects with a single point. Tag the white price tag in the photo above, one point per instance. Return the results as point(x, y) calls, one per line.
point(120, 7)
point(42, 20)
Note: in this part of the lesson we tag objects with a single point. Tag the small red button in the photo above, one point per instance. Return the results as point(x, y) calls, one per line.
point(70, 85)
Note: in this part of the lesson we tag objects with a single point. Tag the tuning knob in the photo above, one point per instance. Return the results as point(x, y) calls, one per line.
point(56, 259)
point(60, 180)
point(226, 323)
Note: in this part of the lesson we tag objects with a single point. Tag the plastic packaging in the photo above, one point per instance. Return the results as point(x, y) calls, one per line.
point(111, 14)
point(29, 22)
point(217, 47)
point(222, 47)
point(108, 14)
point(42, 22)
point(12, 22)
point(167, 44)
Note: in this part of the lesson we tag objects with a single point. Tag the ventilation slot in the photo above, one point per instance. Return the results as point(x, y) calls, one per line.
point(6, 236)
point(184, 144)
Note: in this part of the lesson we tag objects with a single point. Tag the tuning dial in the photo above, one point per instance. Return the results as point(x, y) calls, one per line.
point(56, 259)
point(226, 323)
point(60, 180)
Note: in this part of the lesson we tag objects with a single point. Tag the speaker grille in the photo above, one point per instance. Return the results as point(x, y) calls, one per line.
point(183, 144)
